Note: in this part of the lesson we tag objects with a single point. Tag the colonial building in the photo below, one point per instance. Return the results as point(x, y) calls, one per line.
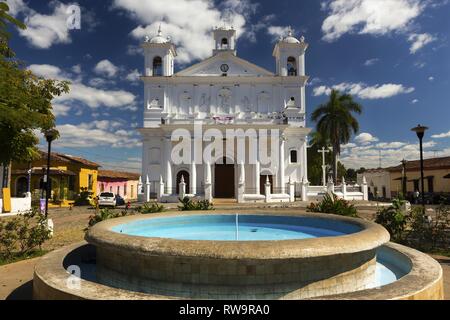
point(124, 184)
point(69, 176)
point(224, 92)
point(388, 182)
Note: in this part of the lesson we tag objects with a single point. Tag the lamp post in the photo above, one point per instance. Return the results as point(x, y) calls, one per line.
point(420, 131)
point(50, 135)
point(404, 187)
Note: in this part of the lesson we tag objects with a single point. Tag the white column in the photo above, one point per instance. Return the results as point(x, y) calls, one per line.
point(160, 188)
point(168, 160)
point(365, 189)
point(291, 190)
point(241, 182)
point(282, 177)
point(305, 185)
point(182, 188)
point(208, 185)
point(193, 179)
point(147, 189)
point(193, 176)
point(267, 189)
point(344, 189)
point(257, 177)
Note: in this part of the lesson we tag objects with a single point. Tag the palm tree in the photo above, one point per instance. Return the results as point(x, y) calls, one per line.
point(336, 122)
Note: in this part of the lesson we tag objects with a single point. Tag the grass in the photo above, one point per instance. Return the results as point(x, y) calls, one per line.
point(20, 257)
point(441, 252)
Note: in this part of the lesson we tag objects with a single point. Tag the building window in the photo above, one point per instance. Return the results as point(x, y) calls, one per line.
point(430, 184)
point(102, 187)
point(132, 192)
point(157, 66)
point(90, 182)
point(292, 66)
point(110, 189)
point(71, 183)
point(416, 185)
point(294, 158)
point(125, 190)
point(118, 190)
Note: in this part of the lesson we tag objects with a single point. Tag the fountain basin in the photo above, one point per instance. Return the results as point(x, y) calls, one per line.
point(338, 256)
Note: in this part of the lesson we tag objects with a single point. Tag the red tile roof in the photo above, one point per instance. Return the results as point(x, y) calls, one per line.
point(434, 163)
point(68, 158)
point(117, 175)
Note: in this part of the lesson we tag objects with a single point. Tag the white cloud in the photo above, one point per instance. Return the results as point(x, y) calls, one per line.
point(93, 97)
point(106, 68)
point(392, 153)
point(431, 79)
point(134, 76)
point(44, 30)
point(442, 135)
point(88, 135)
point(188, 23)
point(76, 69)
point(365, 138)
point(419, 41)
point(60, 110)
point(368, 17)
point(277, 31)
point(371, 62)
point(415, 101)
point(363, 91)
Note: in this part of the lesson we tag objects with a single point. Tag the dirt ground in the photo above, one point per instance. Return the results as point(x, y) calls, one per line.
point(69, 225)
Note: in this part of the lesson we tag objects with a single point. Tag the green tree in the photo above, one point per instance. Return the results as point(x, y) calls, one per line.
point(25, 100)
point(335, 121)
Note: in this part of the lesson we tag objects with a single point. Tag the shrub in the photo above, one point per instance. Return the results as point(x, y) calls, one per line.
point(84, 199)
point(332, 204)
point(428, 233)
point(23, 234)
point(393, 219)
point(152, 207)
point(188, 204)
point(105, 214)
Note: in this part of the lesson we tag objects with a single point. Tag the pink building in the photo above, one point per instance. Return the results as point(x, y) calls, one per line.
point(124, 184)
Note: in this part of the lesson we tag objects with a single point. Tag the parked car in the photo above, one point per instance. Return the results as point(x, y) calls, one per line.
point(107, 199)
point(119, 200)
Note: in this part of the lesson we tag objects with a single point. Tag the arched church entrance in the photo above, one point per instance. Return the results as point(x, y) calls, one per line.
point(224, 180)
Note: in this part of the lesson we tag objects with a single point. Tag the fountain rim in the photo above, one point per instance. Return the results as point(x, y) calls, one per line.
point(50, 281)
point(370, 237)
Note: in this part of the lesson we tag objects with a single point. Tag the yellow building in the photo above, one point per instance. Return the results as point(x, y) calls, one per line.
point(436, 176)
point(69, 177)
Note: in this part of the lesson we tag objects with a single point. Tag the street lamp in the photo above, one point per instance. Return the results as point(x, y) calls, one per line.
point(420, 131)
point(404, 188)
point(50, 135)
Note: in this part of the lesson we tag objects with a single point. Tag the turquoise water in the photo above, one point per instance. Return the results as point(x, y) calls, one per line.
point(252, 228)
point(235, 228)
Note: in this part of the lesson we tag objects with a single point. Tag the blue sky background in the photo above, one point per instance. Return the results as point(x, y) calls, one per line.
point(392, 55)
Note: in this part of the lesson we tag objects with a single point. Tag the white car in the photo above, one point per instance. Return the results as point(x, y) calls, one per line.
point(107, 199)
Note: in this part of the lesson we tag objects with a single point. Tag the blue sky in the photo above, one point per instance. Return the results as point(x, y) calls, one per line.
point(392, 55)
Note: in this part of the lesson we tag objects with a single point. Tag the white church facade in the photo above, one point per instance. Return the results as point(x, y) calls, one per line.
point(218, 95)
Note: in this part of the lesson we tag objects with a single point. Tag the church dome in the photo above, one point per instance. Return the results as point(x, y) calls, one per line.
point(159, 38)
point(290, 38)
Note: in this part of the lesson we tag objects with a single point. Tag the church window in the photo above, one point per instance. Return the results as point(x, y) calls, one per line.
point(157, 66)
point(292, 66)
point(294, 156)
